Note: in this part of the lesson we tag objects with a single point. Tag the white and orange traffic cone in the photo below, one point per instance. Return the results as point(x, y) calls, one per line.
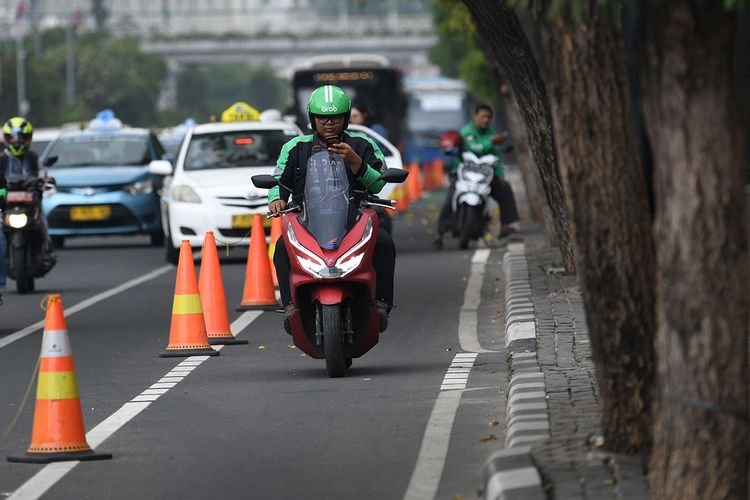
point(58, 434)
point(187, 332)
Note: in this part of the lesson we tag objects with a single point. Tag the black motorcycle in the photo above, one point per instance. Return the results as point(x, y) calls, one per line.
point(29, 253)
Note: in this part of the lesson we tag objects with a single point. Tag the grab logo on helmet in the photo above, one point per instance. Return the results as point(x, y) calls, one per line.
point(329, 109)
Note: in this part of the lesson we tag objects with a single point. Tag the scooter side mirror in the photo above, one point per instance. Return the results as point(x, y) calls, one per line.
point(51, 160)
point(264, 181)
point(394, 175)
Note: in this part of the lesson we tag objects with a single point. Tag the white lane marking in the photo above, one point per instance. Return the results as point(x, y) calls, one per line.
point(5, 341)
point(52, 473)
point(426, 477)
point(467, 320)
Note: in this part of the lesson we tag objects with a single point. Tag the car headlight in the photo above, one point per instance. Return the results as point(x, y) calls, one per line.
point(140, 187)
point(185, 194)
point(16, 221)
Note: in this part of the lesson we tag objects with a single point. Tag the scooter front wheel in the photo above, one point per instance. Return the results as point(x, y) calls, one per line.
point(21, 269)
point(333, 340)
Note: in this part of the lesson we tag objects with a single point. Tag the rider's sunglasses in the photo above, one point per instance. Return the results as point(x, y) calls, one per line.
point(336, 119)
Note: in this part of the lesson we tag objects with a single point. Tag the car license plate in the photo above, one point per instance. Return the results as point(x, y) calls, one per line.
point(242, 220)
point(246, 221)
point(93, 212)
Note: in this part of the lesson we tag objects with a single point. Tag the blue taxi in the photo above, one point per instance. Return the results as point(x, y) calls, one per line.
point(103, 183)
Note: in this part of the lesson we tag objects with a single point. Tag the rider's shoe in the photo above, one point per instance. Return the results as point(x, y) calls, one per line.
point(382, 308)
point(288, 310)
point(509, 229)
point(438, 244)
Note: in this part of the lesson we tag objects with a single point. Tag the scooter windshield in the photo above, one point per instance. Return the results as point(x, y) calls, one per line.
point(326, 199)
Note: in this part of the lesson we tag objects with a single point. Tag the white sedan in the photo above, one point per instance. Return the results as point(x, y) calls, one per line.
point(210, 188)
point(391, 153)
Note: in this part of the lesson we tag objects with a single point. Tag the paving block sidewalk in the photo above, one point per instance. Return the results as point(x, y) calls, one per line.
point(567, 454)
point(571, 462)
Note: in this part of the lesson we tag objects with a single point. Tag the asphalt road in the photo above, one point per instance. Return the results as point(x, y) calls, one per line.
point(263, 420)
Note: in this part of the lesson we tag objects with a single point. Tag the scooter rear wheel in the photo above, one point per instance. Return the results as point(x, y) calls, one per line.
point(333, 340)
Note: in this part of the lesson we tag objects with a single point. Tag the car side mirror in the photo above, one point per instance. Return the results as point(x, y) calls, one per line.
point(264, 181)
point(394, 175)
point(160, 167)
point(51, 160)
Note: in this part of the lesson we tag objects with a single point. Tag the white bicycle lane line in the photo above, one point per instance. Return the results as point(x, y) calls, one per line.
point(86, 303)
point(52, 473)
point(428, 470)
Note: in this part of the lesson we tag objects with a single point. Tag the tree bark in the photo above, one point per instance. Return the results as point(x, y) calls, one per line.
point(499, 28)
point(701, 416)
point(610, 222)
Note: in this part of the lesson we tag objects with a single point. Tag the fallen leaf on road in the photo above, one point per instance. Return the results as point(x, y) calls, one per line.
point(494, 423)
point(487, 438)
point(609, 482)
point(292, 346)
point(367, 379)
point(302, 355)
point(458, 496)
point(261, 347)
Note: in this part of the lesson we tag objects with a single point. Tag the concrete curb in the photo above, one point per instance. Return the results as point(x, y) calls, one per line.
point(510, 474)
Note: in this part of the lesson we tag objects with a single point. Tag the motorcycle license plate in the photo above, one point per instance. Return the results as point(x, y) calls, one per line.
point(20, 197)
point(92, 212)
point(243, 221)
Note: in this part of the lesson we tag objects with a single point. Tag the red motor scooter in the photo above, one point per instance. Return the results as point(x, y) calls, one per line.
point(330, 238)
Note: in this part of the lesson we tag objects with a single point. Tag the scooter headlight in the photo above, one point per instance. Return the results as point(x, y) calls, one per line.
point(17, 221)
point(311, 263)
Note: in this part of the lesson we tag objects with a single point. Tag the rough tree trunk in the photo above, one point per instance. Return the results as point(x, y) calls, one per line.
point(701, 413)
point(499, 28)
point(606, 194)
point(520, 139)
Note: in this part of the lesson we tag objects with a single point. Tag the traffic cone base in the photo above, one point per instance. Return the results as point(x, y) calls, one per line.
point(185, 352)
point(81, 456)
point(58, 432)
point(226, 341)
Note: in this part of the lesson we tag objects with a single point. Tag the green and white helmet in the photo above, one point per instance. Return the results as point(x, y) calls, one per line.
point(329, 100)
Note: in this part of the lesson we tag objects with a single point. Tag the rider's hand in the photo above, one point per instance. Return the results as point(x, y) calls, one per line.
point(499, 138)
point(350, 157)
point(276, 206)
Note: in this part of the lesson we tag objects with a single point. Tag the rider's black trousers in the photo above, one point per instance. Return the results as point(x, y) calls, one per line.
point(383, 260)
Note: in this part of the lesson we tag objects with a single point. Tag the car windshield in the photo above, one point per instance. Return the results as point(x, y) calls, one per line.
point(104, 150)
point(252, 148)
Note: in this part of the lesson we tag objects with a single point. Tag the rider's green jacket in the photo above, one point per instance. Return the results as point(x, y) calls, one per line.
point(291, 167)
point(479, 142)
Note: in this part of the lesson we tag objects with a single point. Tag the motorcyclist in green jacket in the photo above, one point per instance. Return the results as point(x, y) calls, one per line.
point(481, 139)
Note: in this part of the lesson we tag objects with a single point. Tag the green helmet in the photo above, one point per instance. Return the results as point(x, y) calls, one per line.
point(329, 100)
point(17, 133)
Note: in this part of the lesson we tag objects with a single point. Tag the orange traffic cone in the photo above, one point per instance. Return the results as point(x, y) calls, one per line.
point(412, 184)
point(439, 173)
point(58, 434)
point(258, 292)
point(275, 235)
point(213, 299)
point(402, 198)
point(429, 176)
point(187, 333)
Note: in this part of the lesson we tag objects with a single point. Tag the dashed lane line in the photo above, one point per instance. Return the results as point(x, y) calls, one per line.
point(84, 304)
point(428, 470)
point(52, 473)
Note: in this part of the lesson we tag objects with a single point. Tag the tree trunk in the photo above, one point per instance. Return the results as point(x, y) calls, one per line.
point(499, 28)
point(520, 139)
point(606, 194)
point(701, 415)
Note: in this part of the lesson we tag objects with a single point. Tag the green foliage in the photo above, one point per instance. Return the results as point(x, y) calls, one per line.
point(208, 90)
point(111, 72)
point(457, 52)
